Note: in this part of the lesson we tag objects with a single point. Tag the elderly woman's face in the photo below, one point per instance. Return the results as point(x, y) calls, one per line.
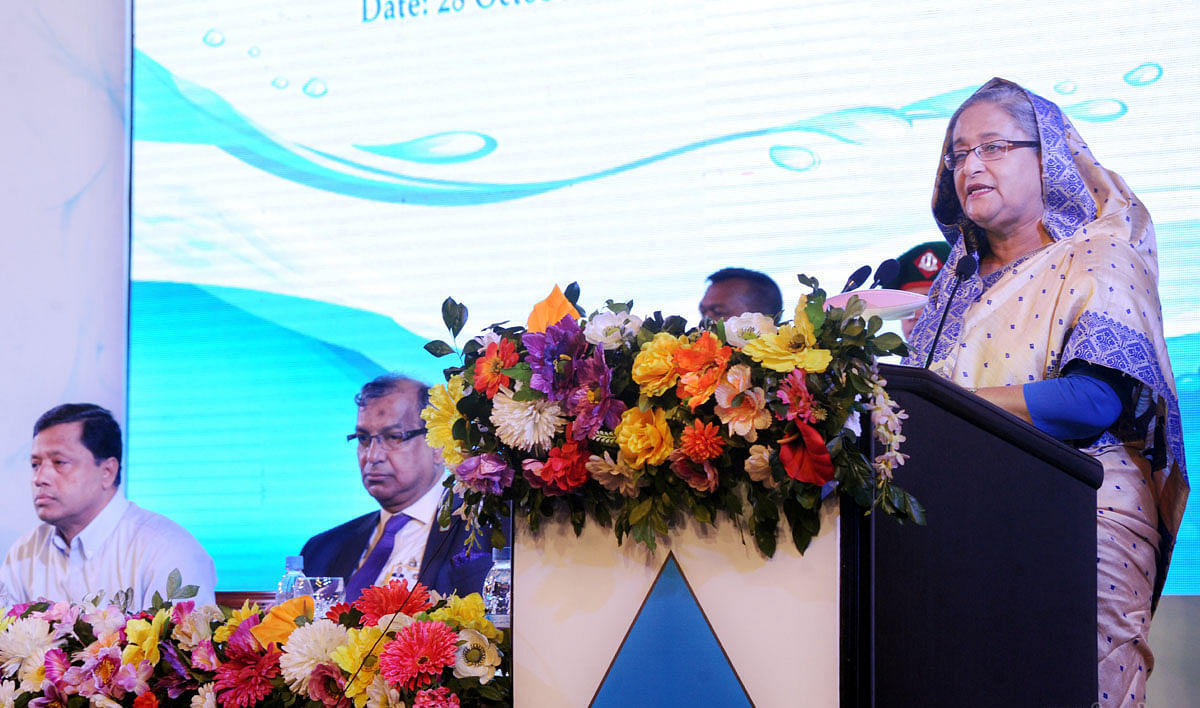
point(1002, 196)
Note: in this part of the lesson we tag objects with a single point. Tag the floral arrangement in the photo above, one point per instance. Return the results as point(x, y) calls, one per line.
point(396, 647)
point(637, 423)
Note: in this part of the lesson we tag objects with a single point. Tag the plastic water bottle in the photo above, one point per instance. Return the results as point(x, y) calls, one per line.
point(292, 580)
point(497, 589)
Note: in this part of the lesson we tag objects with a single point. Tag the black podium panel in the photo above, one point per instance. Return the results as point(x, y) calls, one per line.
point(993, 603)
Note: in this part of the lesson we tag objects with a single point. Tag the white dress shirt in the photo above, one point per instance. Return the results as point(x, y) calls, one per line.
point(125, 546)
point(409, 548)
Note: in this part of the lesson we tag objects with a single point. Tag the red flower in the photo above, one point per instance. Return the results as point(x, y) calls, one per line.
point(421, 651)
point(146, 700)
point(564, 470)
point(245, 677)
point(381, 600)
point(701, 441)
point(489, 367)
point(805, 457)
point(335, 612)
point(327, 686)
point(701, 476)
point(439, 697)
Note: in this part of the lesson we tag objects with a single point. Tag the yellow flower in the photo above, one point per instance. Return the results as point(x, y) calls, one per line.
point(358, 652)
point(280, 622)
point(790, 348)
point(440, 416)
point(549, 311)
point(142, 638)
point(654, 367)
point(468, 613)
point(644, 437)
point(247, 610)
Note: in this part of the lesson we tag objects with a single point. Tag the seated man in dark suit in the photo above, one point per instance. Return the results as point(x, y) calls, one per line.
point(403, 474)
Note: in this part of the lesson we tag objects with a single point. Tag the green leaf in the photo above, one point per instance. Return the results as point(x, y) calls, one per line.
point(438, 348)
point(521, 372)
point(572, 293)
point(174, 580)
point(156, 602)
point(527, 393)
point(498, 539)
point(185, 592)
point(807, 281)
point(454, 316)
point(639, 512)
point(888, 341)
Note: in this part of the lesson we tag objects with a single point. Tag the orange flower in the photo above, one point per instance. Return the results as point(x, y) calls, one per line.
point(701, 441)
point(701, 365)
point(750, 415)
point(280, 622)
point(381, 600)
point(489, 368)
point(146, 700)
point(654, 369)
point(549, 311)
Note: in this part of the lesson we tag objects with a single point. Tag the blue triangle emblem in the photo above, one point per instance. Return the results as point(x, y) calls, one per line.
point(670, 656)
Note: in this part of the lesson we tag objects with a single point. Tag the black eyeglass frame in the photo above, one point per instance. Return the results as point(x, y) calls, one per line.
point(388, 440)
point(955, 159)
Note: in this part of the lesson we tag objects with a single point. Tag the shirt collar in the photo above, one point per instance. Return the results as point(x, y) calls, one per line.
point(93, 536)
point(423, 510)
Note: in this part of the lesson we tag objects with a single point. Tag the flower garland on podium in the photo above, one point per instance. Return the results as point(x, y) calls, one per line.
point(638, 423)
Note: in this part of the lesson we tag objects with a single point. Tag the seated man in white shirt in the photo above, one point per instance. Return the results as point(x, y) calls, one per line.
point(403, 539)
point(92, 538)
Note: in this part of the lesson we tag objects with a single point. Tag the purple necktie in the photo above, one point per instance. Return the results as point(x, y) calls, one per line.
point(365, 576)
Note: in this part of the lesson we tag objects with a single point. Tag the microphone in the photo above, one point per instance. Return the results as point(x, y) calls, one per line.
point(857, 278)
point(886, 271)
point(964, 269)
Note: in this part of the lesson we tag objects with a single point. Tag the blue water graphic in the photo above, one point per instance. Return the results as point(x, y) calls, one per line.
point(214, 38)
point(254, 51)
point(279, 82)
point(1144, 75)
point(438, 149)
point(316, 88)
point(173, 109)
point(1067, 87)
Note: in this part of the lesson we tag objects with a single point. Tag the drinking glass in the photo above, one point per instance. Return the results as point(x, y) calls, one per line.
point(326, 592)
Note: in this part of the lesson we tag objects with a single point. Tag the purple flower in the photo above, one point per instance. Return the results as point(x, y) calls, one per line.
point(133, 679)
point(592, 403)
point(488, 473)
point(178, 681)
point(97, 673)
point(52, 697)
point(553, 356)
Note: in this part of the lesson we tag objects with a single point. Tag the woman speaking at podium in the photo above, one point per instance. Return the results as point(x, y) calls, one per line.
point(1060, 324)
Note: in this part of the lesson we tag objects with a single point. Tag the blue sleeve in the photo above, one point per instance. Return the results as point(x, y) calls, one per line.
point(1080, 404)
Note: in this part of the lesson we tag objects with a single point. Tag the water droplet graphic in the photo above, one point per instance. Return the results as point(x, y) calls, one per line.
point(254, 51)
point(438, 149)
point(794, 158)
point(1098, 110)
point(316, 88)
point(214, 38)
point(279, 82)
point(1144, 75)
point(1066, 87)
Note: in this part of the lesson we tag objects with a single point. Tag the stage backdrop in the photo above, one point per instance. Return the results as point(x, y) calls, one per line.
point(312, 178)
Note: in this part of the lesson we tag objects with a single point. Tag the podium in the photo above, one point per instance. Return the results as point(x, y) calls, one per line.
point(993, 603)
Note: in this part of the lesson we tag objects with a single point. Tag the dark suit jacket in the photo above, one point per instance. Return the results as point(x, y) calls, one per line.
point(445, 566)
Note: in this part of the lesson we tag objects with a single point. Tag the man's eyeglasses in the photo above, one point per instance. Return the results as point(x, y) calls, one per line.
point(389, 439)
point(989, 151)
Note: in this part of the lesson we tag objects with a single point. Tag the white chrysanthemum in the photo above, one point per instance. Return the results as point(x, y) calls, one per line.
point(23, 646)
point(476, 656)
point(611, 329)
point(615, 476)
point(8, 694)
point(526, 425)
point(743, 328)
point(308, 646)
point(196, 626)
point(381, 695)
point(204, 698)
point(758, 466)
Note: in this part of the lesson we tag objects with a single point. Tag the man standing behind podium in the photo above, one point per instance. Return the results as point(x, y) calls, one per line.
point(94, 539)
point(403, 474)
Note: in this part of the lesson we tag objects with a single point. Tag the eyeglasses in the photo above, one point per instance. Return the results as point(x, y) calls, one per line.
point(989, 151)
point(389, 440)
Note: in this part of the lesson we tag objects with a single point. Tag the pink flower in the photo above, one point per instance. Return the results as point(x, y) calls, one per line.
point(97, 673)
point(739, 406)
point(134, 679)
point(56, 665)
point(794, 392)
point(183, 609)
point(421, 651)
point(245, 677)
point(105, 621)
point(701, 476)
point(204, 656)
point(439, 697)
point(327, 685)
